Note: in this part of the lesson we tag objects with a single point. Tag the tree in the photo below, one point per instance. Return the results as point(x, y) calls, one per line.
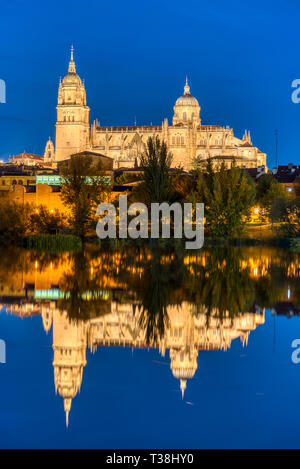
point(46, 221)
point(297, 187)
point(291, 225)
point(227, 195)
point(14, 220)
point(278, 210)
point(267, 190)
point(181, 187)
point(155, 162)
point(83, 188)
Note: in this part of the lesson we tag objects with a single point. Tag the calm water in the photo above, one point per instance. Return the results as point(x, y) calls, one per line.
point(124, 348)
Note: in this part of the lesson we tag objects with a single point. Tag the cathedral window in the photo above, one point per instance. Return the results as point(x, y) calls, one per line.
point(178, 140)
point(182, 140)
point(184, 116)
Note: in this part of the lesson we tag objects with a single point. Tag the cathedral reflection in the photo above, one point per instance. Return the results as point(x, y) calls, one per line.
point(174, 302)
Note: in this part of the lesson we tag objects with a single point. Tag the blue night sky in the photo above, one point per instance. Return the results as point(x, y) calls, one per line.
point(240, 57)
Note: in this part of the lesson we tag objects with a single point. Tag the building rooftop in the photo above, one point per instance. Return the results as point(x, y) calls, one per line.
point(25, 155)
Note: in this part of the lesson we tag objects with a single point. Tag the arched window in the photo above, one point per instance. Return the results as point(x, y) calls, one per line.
point(20, 182)
point(184, 116)
point(14, 182)
point(182, 140)
point(178, 140)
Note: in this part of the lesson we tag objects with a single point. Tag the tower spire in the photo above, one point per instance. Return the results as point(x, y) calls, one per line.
point(67, 407)
point(183, 386)
point(186, 87)
point(72, 68)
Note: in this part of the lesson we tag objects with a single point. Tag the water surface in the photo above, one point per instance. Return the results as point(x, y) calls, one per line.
point(131, 347)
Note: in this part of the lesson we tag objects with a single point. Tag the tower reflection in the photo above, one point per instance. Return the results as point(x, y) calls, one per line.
point(141, 298)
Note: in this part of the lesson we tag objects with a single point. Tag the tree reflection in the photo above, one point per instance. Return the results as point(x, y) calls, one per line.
point(225, 281)
point(159, 286)
point(83, 299)
point(223, 285)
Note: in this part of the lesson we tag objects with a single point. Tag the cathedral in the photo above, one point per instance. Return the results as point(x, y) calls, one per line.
point(187, 138)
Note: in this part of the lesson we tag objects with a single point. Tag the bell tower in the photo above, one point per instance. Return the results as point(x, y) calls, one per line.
point(72, 125)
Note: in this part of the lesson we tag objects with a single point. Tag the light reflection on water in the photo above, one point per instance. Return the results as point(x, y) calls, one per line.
point(173, 303)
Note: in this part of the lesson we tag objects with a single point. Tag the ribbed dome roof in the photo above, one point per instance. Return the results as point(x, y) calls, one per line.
point(183, 373)
point(187, 100)
point(72, 79)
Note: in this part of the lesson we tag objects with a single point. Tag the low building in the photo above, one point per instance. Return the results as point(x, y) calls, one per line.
point(287, 175)
point(105, 161)
point(28, 159)
point(8, 180)
point(36, 195)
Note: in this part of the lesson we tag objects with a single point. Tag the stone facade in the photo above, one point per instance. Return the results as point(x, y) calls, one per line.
point(187, 138)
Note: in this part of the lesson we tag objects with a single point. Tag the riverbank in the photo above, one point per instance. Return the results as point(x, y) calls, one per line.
point(69, 242)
